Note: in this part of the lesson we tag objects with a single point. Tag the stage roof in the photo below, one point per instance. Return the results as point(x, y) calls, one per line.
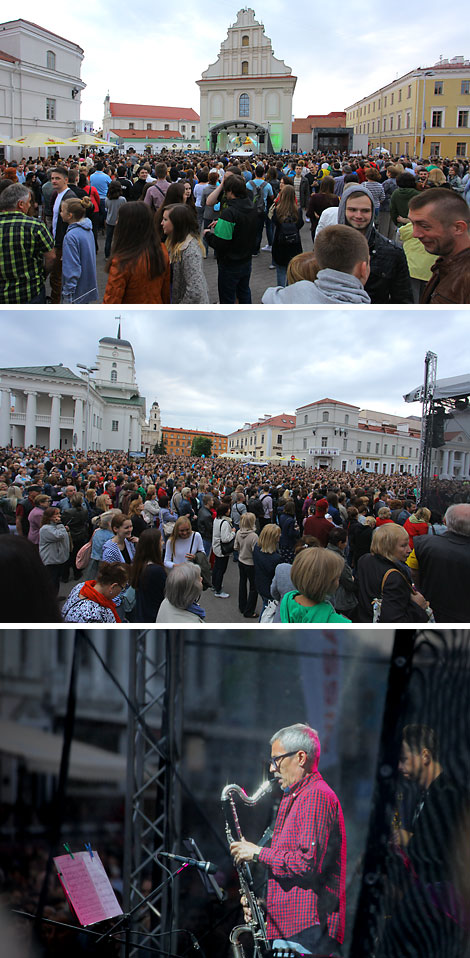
point(456, 387)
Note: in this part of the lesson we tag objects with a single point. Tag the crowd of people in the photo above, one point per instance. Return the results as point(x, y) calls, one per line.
point(144, 540)
point(384, 230)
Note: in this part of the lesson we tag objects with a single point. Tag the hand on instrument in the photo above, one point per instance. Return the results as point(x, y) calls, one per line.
point(246, 909)
point(243, 851)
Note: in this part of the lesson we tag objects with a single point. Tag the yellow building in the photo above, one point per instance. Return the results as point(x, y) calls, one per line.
point(429, 103)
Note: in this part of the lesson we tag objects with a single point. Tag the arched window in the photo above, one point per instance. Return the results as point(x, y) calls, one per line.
point(245, 68)
point(113, 376)
point(325, 417)
point(245, 41)
point(50, 60)
point(244, 105)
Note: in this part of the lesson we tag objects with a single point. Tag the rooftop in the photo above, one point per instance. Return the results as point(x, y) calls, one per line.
point(9, 23)
point(153, 112)
point(49, 372)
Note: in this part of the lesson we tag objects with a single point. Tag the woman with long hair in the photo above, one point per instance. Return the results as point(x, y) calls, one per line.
point(185, 251)
point(182, 544)
point(174, 194)
point(321, 201)
point(148, 576)
point(287, 221)
point(266, 557)
point(136, 508)
point(139, 268)
point(245, 541)
point(79, 284)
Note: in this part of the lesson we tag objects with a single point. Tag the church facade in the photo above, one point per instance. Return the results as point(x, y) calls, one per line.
point(246, 95)
point(54, 407)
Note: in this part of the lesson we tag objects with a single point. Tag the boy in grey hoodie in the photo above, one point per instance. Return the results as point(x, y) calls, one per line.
point(342, 256)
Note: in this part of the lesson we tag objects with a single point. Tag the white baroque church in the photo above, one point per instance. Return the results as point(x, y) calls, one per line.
point(54, 407)
point(246, 95)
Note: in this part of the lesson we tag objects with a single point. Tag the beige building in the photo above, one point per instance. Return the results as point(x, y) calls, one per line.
point(428, 103)
point(261, 440)
point(246, 95)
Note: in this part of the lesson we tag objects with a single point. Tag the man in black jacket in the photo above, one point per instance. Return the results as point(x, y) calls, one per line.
point(444, 566)
point(389, 278)
point(233, 237)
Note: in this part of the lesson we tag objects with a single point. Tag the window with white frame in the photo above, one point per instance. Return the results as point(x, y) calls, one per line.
point(50, 60)
point(50, 109)
point(244, 105)
point(115, 425)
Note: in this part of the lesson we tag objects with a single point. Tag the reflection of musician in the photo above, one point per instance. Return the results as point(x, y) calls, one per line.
point(428, 920)
point(306, 898)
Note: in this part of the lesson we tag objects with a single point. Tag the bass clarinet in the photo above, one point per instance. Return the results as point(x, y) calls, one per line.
point(255, 926)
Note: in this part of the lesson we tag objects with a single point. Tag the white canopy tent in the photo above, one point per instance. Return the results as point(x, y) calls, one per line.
point(41, 751)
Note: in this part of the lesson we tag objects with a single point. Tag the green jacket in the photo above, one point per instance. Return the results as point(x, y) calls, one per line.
point(291, 611)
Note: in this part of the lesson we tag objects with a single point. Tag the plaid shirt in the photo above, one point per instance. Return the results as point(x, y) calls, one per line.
point(307, 862)
point(23, 243)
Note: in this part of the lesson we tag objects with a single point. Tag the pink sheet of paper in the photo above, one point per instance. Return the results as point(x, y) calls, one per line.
point(87, 887)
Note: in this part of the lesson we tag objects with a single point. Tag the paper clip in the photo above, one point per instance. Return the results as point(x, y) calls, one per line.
point(67, 849)
point(88, 848)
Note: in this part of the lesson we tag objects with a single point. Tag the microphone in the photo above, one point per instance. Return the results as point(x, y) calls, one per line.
point(208, 867)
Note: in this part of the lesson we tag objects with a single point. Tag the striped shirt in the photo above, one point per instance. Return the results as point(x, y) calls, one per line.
point(23, 243)
point(307, 862)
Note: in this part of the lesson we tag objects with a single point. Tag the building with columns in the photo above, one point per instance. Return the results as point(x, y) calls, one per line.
point(54, 407)
point(246, 95)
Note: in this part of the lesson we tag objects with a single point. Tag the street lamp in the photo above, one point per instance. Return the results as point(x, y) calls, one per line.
point(87, 370)
point(423, 74)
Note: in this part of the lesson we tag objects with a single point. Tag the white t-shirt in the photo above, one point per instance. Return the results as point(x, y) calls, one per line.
point(55, 211)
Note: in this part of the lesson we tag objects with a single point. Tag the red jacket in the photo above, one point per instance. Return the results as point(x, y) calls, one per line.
point(415, 529)
point(133, 284)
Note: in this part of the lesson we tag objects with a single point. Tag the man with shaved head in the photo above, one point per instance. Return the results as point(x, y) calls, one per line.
point(441, 220)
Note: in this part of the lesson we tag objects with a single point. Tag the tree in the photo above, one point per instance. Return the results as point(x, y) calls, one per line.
point(201, 446)
point(159, 448)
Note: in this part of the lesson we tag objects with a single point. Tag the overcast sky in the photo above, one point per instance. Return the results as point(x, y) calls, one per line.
point(217, 369)
point(154, 55)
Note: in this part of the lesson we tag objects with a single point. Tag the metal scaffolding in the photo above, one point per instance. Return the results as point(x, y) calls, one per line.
point(152, 815)
point(427, 420)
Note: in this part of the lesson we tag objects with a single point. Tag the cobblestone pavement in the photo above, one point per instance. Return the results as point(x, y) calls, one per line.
point(261, 276)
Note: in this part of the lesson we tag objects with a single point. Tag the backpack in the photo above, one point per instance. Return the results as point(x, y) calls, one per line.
point(258, 197)
point(288, 234)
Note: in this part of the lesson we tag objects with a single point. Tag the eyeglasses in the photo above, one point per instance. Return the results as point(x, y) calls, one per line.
point(276, 760)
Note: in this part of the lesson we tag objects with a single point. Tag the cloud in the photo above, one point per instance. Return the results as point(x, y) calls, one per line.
point(218, 368)
point(156, 58)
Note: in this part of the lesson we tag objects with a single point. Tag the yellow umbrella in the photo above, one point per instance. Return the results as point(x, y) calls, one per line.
point(87, 139)
point(38, 139)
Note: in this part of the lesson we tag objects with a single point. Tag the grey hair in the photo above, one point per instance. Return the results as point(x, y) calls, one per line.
point(104, 520)
point(300, 737)
point(10, 197)
point(457, 518)
point(183, 585)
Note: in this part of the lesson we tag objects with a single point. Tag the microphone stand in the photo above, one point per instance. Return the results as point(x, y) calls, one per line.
point(123, 923)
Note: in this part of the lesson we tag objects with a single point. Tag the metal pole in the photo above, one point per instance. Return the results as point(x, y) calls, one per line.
point(422, 119)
